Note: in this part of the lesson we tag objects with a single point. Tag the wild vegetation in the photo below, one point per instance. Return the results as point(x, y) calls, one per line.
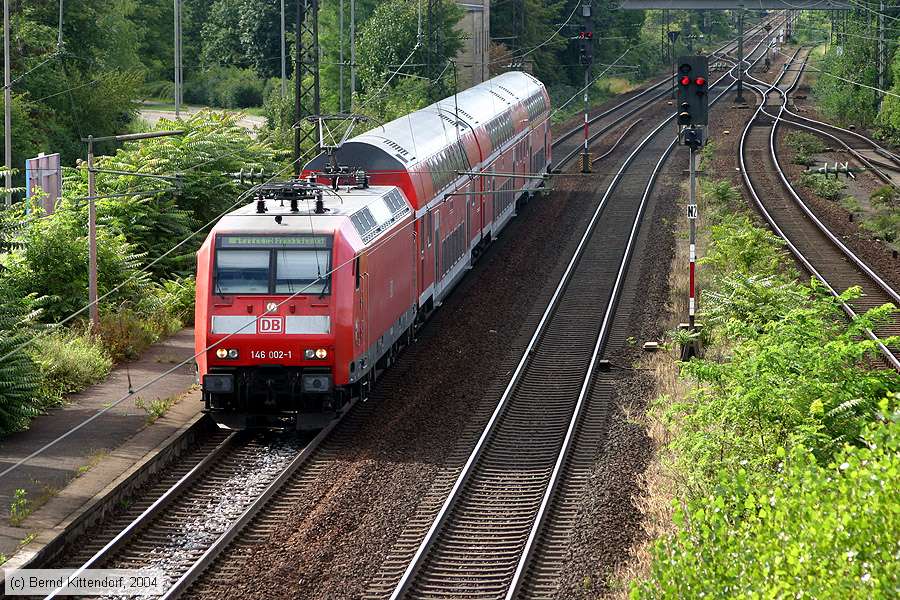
point(783, 453)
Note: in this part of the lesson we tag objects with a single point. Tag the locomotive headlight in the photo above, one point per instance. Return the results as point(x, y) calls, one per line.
point(309, 354)
point(233, 353)
point(321, 353)
point(222, 353)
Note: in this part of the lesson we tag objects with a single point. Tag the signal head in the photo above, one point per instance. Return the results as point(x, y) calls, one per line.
point(701, 81)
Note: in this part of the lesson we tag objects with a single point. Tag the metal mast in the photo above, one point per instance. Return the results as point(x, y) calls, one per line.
point(434, 50)
point(306, 76)
point(7, 104)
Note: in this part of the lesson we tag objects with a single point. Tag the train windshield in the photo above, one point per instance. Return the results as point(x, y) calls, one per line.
point(288, 265)
point(302, 271)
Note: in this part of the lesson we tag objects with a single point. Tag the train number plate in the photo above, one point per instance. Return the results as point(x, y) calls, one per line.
point(272, 354)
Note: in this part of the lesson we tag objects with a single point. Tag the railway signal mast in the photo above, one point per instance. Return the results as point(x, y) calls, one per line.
point(692, 85)
point(586, 58)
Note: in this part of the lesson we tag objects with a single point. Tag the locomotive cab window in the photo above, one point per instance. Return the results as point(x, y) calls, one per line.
point(273, 265)
point(304, 271)
point(242, 272)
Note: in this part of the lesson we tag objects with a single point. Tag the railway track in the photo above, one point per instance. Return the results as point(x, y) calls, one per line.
point(182, 524)
point(819, 250)
point(503, 529)
point(175, 530)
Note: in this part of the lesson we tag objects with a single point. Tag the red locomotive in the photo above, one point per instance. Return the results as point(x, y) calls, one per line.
point(307, 293)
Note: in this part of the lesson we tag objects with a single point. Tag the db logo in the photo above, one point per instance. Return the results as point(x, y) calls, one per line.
point(270, 325)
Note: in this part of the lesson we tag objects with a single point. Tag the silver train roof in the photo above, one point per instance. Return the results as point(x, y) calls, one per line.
point(417, 136)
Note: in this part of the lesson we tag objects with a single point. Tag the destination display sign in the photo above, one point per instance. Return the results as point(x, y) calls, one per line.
point(274, 241)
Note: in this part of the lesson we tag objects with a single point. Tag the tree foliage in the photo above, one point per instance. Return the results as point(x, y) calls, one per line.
point(212, 149)
point(390, 36)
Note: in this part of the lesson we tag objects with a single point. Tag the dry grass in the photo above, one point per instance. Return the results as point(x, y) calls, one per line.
point(619, 85)
point(658, 481)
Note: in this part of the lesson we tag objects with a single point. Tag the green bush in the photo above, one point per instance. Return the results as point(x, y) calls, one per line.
point(885, 225)
point(126, 332)
point(19, 380)
point(49, 260)
point(213, 146)
point(787, 392)
point(720, 194)
point(225, 87)
point(801, 378)
point(813, 531)
point(69, 360)
point(886, 195)
point(130, 329)
point(805, 145)
point(847, 104)
point(830, 188)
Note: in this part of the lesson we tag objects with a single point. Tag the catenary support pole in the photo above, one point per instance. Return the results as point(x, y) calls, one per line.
point(341, 58)
point(92, 214)
point(177, 10)
point(298, 84)
point(352, 52)
point(585, 156)
point(587, 41)
point(882, 67)
point(7, 105)
point(692, 218)
point(283, 55)
point(92, 239)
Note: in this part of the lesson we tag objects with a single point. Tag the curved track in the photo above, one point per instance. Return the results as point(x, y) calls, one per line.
point(808, 238)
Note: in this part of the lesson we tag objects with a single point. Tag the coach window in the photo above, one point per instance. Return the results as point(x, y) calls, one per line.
point(429, 227)
point(356, 269)
point(242, 271)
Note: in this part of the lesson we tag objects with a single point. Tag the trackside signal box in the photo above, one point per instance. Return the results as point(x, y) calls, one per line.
point(692, 85)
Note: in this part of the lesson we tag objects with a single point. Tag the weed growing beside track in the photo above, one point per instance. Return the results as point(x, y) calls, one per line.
point(783, 450)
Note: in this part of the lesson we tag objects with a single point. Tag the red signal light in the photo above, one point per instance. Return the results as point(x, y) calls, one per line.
point(685, 80)
point(701, 81)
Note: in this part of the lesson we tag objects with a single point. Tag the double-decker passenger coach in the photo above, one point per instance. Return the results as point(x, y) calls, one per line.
point(306, 294)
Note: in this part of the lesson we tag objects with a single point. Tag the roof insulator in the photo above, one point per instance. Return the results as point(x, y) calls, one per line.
point(261, 206)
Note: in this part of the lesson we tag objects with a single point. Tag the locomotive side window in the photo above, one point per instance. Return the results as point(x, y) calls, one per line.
point(356, 269)
point(304, 271)
point(242, 272)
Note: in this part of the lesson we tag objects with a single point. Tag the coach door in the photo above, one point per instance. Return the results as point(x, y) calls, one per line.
point(471, 204)
point(437, 252)
point(361, 311)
